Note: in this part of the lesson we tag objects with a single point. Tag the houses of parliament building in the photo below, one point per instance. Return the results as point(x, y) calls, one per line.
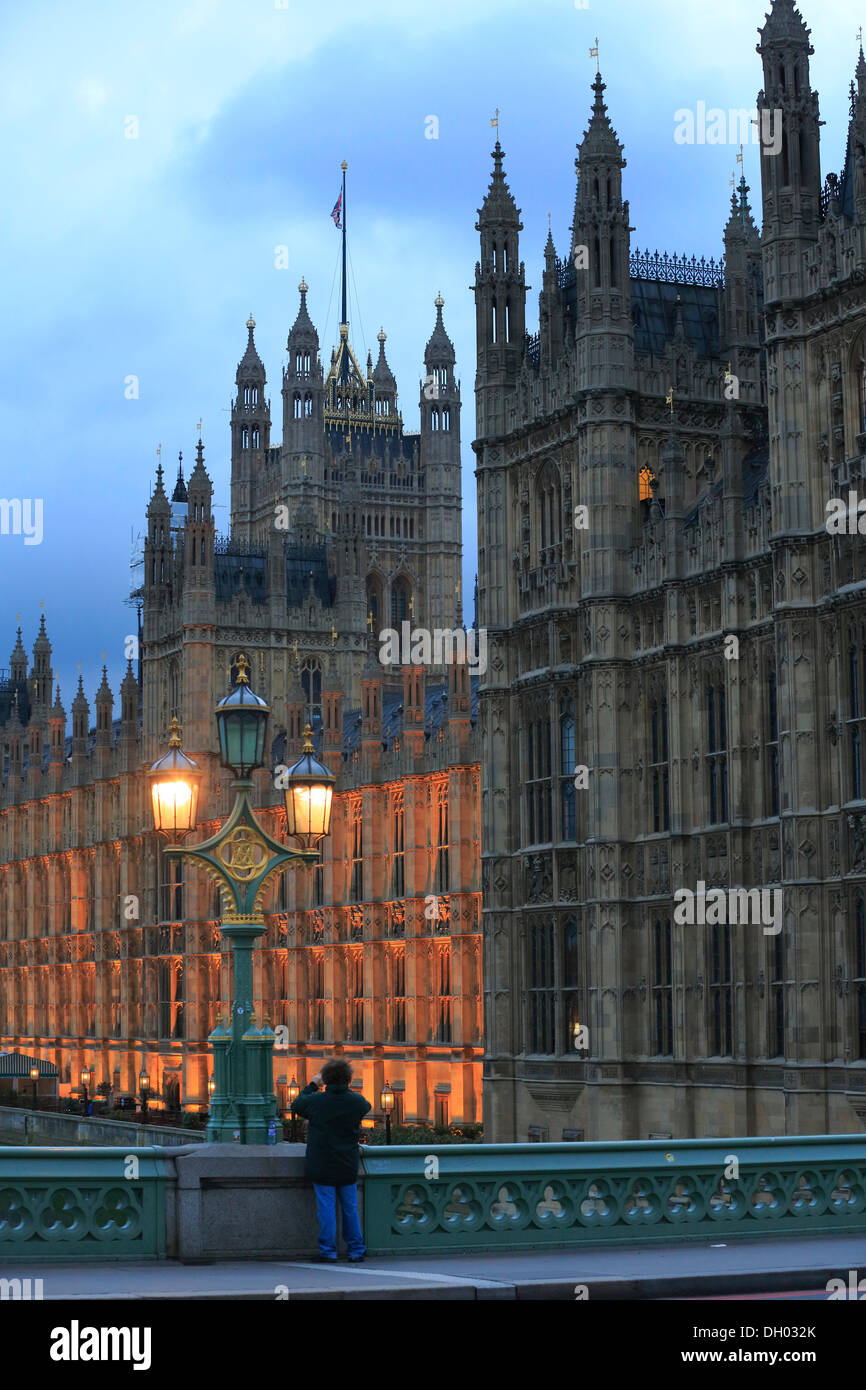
point(674, 699)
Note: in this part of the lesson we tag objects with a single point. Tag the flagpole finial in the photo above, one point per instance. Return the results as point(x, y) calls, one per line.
point(344, 166)
point(251, 323)
point(593, 53)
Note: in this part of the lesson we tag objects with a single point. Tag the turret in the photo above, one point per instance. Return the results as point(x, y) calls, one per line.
point(739, 332)
point(371, 707)
point(600, 246)
point(384, 381)
point(303, 398)
point(788, 125)
point(40, 672)
point(57, 726)
point(158, 556)
point(104, 705)
point(500, 301)
point(250, 430)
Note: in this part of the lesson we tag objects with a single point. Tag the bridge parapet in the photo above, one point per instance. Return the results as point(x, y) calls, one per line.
point(476, 1197)
point(82, 1203)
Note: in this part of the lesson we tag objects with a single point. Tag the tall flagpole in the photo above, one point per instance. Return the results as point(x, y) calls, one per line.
point(344, 166)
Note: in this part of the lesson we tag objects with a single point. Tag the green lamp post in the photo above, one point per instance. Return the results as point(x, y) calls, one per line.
point(242, 858)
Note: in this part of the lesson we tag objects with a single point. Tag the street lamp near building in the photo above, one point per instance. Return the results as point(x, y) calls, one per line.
point(387, 1099)
point(294, 1091)
point(34, 1077)
point(243, 859)
point(85, 1082)
point(144, 1087)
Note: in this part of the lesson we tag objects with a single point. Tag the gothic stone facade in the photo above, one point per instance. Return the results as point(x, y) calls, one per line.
point(110, 956)
point(705, 519)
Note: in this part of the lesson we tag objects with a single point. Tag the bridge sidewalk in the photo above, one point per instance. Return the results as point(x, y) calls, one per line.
point(646, 1271)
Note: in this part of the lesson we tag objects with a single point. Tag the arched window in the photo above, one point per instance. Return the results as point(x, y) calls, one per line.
point(308, 406)
point(548, 511)
point(245, 438)
point(566, 768)
point(374, 602)
point(400, 596)
point(446, 419)
point(296, 408)
point(646, 482)
point(311, 681)
point(255, 437)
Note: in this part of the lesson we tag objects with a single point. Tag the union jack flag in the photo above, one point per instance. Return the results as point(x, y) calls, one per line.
point(338, 206)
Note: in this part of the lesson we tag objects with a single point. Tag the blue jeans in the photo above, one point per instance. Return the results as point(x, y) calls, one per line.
point(326, 1210)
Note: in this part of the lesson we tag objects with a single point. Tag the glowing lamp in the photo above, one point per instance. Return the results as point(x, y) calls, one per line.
point(34, 1073)
point(294, 1091)
point(211, 1086)
point(85, 1076)
point(387, 1099)
point(242, 719)
point(144, 1081)
point(174, 784)
point(309, 793)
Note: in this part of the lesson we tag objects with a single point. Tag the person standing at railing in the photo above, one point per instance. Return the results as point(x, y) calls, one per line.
point(334, 1116)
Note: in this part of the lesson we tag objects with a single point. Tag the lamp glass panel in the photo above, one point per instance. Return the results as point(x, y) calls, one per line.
point(174, 805)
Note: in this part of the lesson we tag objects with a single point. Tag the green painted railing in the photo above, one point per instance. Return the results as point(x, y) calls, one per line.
point(82, 1204)
point(475, 1197)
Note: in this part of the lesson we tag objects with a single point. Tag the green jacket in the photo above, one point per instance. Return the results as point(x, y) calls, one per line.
point(334, 1117)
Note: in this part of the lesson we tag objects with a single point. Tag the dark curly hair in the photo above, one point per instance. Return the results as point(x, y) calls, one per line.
point(336, 1073)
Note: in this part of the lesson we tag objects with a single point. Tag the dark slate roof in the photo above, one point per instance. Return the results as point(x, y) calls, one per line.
point(306, 564)
point(654, 304)
point(234, 572)
point(18, 1064)
point(8, 687)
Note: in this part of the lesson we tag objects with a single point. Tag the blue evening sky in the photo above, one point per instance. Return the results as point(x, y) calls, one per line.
point(145, 256)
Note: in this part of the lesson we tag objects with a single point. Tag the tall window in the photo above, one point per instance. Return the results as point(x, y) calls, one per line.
point(662, 990)
point(395, 1004)
point(859, 981)
point(776, 1029)
point(856, 715)
point(311, 681)
point(374, 598)
point(721, 991)
point(566, 769)
point(542, 989)
point(171, 891)
point(317, 994)
point(398, 877)
point(356, 996)
point(443, 998)
point(646, 484)
point(400, 595)
point(538, 790)
point(772, 746)
point(549, 510)
point(570, 980)
point(443, 863)
point(659, 771)
point(319, 877)
point(357, 878)
point(717, 753)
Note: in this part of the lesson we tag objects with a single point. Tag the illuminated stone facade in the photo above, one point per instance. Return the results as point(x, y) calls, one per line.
point(108, 954)
point(623, 538)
